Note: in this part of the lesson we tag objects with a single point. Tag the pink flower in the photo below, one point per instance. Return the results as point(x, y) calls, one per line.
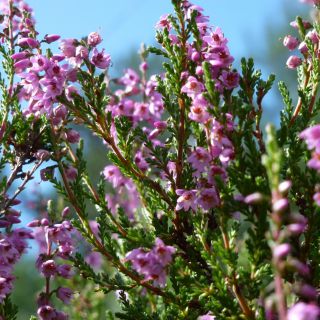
point(316, 198)
point(208, 198)
point(42, 154)
point(21, 65)
point(281, 251)
point(28, 42)
point(164, 22)
point(199, 160)
point(141, 111)
point(229, 79)
point(65, 271)
point(39, 63)
point(68, 48)
point(94, 259)
point(73, 136)
point(198, 112)
point(254, 198)
point(313, 35)
point(207, 316)
point(48, 268)
point(94, 39)
point(163, 252)
point(114, 176)
point(140, 161)
point(280, 205)
point(71, 173)
point(311, 136)
point(20, 55)
point(52, 87)
point(80, 55)
point(152, 264)
point(216, 38)
point(47, 313)
point(290, 42)
point(186, 200)
point(305, 23)
point(220, 57)
point(49, 38)
point(192, 87)
point(303, 311)
point(100, 59)
point(293, 62)
point(64, 294)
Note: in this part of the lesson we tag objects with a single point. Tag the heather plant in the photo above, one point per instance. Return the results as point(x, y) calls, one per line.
point(199, 213)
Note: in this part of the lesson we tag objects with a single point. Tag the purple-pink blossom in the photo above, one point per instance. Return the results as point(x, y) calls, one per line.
point(100, 59)
point(186, 200)
point(303, 311)
point(293, 62)
point(94, 38)
point(152, 263)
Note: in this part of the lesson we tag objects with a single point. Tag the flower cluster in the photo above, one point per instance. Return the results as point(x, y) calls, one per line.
point(208, 164)
point(292, 43)
point(44, 78)
point(59, 244)
point(152, 264)
point(311, 136)
point(12, 245)
point(288, 226)
point(126, 195)
point(213, 49)
point(17, 17)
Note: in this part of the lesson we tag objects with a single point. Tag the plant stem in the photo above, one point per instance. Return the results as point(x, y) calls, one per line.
point(235, 285)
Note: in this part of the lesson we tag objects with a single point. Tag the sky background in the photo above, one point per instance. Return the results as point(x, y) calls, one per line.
point(124, 24)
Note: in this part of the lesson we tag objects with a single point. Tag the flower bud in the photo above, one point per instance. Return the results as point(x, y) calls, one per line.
point(144, 66)
point(253, 198)
point(48, 268)
point(46, 312)
point(4, 223)
point(49, 38)
point(290, 42)
point(94, 39)
point(316, 198)
point(280, 205)
point(44, 222)
point(199, 71)
point(73, 136)
point(293, 62)
point(284, 186)
point(34, 223)
point(65, 212)
point(281, 251)
point(296, 228)
point(303, 48)
point(306, 291)
point(28, 42)
point(71, 173)
point(20, 55)
point(300, 267)
point(42, 155)
point(21, 65)
point(195, 56)
point(313, 36)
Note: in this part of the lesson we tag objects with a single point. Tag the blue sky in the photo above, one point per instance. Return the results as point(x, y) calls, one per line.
point(124, 24)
